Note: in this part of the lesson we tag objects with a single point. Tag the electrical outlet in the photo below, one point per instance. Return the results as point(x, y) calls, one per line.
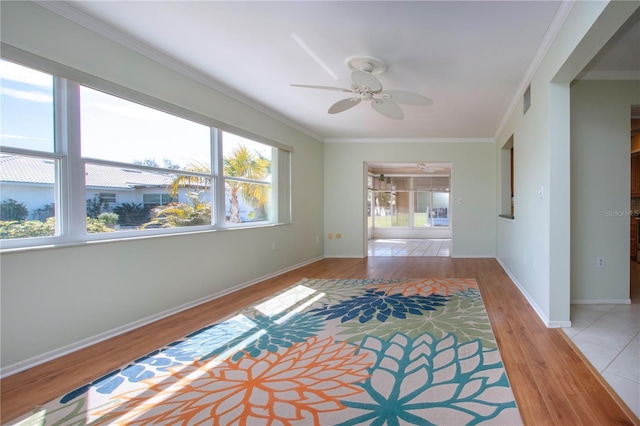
point(317, 239)
point(600, 262)
point(330, 236)
point(338, 236)
point(274, 246)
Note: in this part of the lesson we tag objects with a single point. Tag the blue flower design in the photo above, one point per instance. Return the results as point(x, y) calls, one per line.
point(380, 305)
point(193, 346)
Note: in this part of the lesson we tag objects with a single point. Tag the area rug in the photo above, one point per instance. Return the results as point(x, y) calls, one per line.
point(321, 352)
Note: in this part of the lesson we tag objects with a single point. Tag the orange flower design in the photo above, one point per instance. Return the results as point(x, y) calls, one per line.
point(427, 286)
point(299, 385)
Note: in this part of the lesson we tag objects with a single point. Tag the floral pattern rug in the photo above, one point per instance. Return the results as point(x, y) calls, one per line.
point(321, 352)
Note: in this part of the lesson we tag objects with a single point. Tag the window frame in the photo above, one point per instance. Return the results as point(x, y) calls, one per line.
point(71, 189)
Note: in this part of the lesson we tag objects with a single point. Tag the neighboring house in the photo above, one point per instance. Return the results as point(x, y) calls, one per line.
point(29, 180)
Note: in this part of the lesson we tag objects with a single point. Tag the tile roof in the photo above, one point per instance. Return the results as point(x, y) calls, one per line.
point(23, 169)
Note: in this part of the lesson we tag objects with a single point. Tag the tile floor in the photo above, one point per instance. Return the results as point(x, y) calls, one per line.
point(609, 337)
point(410, 247)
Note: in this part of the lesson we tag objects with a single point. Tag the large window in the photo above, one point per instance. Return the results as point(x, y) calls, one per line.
point(408, 201)
point(79, 164)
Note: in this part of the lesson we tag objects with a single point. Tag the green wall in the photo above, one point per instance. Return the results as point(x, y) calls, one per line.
point(600, 187)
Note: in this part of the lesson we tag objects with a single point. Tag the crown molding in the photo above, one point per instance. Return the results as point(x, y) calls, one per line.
point(69, 12)
point(409, 140)
point(554, 28)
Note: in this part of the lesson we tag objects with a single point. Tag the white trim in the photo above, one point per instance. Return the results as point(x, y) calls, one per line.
point(472, 256)
point(345, 257)
point(67, 11)
point(409, 140)
point(554, 28)
point(559, 324)
point(534, 305)
point(600, 301)
point(73, 347)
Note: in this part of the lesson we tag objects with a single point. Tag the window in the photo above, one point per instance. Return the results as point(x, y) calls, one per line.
point(247, 180)
point(155, 200)
point(26, 119)
point(121, 168)
point(108, 197)
point(507, 193)
point(408, 202)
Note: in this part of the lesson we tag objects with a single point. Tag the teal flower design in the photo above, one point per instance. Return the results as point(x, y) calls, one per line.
point(413, 381)
point(270, 334)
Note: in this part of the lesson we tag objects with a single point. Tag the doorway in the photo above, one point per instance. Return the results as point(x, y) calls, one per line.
point(408, 209)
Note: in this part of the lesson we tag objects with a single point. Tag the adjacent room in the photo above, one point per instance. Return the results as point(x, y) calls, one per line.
point(313, 212)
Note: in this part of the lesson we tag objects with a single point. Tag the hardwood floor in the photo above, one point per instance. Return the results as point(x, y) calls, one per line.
point(552, 383)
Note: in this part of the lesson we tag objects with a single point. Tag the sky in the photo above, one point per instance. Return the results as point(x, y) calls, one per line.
point(111, 128)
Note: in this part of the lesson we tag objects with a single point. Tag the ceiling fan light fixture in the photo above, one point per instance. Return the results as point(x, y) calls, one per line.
point(366, 87)
point(373, 66)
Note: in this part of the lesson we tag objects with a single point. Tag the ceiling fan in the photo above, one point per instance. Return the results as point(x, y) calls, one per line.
point(366, 87)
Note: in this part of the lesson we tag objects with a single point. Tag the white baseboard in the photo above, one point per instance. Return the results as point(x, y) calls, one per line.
point(345, 257)
point(73, 347)
point(600, 301)
point(472, 256)
point(559, 324)
point(534, 305)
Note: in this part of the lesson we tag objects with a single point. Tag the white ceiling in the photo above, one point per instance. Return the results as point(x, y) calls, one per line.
point(472, 58)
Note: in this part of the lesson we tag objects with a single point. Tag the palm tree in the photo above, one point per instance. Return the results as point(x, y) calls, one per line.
point(248, 165)
point(242, 163)
point(182, 181)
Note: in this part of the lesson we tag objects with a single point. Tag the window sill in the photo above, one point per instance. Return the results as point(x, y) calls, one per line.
point(124, 238)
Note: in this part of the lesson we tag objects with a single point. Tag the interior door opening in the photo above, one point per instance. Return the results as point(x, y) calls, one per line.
point(408, 209)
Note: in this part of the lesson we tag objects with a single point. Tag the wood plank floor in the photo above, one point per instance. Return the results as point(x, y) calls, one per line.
point(551, 381)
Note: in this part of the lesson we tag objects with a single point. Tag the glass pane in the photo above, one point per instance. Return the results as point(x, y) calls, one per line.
point(422, 183)
point(369, 208)
point(26, 116)
point(145, 200)
point(400, 183)
point(244, 158)
point(119, 130)
point(440, 209)
point(27, 185)
point(391, 209)
point(247, 202)
point(421, 209)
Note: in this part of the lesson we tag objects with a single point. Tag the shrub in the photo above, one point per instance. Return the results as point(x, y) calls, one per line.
point(132, 214)
point(95, 226)
point(96, 205)
point(27, 229)
point(11, 229)
point(12, 210)
point(108, 218)
point(44, 212)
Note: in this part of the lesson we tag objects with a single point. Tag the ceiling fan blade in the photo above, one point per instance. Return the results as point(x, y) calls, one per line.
point(388, 109)
point(344, 105)
point(364, 79)
point(406, 98)
point(339, 89)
